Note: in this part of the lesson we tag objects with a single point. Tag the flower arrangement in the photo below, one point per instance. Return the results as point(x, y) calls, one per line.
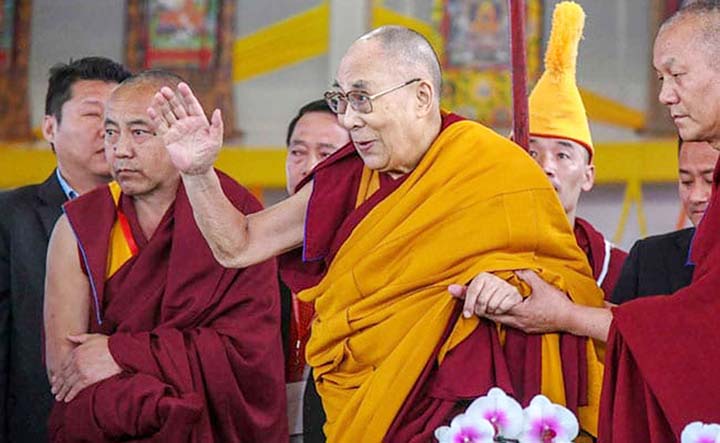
point(497, 417)
point(698, 432)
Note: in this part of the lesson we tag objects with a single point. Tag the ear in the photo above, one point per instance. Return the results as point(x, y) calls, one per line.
point(49, 126)
point(589, 177)
point(425, 98)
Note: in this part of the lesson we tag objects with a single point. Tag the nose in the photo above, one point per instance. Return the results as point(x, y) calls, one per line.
point(122, 147)
point(700, 192)
point(547, 163)
point(313, 159)
point(350, 119)
point(667, 95)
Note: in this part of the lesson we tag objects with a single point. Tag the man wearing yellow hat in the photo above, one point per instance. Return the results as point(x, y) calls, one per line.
point(560, 140)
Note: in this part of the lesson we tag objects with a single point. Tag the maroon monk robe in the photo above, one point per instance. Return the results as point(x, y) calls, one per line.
point(606, 267)
point(199, 344)
point(469, 370)
point(663, 355)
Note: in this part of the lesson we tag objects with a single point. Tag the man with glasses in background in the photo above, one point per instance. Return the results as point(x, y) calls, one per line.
point(420, 199)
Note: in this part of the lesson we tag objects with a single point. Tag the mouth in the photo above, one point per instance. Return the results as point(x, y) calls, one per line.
point(678, 117)
point(363, 146)
point(125, 171)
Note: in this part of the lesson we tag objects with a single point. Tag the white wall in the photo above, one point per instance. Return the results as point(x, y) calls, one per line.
point(65, 29)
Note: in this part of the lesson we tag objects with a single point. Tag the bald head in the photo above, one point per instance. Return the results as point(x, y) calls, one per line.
point(152, 79)
point(409, 51)
point(705, 17)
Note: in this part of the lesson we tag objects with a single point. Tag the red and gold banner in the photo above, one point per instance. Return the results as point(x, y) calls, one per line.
point(476, 57)
point(182, 33)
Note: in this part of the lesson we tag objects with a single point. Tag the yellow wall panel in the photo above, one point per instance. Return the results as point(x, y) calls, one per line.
point(284, 43)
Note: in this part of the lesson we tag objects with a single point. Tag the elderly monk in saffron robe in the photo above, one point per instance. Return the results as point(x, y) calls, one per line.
point(420, 199)
point(148, 338)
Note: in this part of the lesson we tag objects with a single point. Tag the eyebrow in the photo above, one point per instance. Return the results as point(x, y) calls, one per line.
point(92, 101)
point(139, 121)
point(299, 141)
point(565, 143)
point(360, 84)
point(703, 172)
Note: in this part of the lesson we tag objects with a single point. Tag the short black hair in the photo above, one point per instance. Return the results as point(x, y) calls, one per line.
point(64, 75)
point(313, 106)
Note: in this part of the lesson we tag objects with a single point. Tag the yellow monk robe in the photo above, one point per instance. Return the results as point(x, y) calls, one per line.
point(475, 203)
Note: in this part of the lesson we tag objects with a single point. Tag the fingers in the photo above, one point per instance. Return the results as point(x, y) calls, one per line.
point(160, 124)
point(177, 103)
point(78, 386)
point(193, 105)
point(162, 100)
point(531, 278)
point(507, 320)
point(457, 291)
point(169, 107)
point(506, 302)
point(475, 299)
point(65, 388)
point(216, 126)
point(158, 111)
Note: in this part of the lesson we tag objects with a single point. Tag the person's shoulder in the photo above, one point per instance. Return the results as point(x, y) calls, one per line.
point(12, 200)
point(491, 148)
point(667, 237)
point(660, 241)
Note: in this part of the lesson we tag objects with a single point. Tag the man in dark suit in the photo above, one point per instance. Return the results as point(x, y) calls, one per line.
point(73, 125)
point(660, 264)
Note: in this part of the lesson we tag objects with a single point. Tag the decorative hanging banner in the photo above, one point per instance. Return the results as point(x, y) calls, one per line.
point(182, 33)
point(476, 61)
point(7, 32)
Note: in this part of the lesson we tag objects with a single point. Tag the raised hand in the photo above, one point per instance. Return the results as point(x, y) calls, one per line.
point(192, 141)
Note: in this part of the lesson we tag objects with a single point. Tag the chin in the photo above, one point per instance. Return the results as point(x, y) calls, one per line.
point(373, 163)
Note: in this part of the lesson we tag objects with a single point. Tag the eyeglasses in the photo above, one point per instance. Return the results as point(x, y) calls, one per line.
point(360, 101)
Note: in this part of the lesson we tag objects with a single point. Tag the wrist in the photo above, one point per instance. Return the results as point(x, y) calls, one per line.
point(199, 180)
point(569, 319)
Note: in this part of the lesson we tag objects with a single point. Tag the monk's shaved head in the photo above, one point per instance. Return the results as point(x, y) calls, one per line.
point(408, 50)
point(154, 78)
point(705, 17)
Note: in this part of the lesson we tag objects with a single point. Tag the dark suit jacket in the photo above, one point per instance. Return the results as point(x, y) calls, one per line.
point(313, 413)
point(27, 217)
point(656, 266)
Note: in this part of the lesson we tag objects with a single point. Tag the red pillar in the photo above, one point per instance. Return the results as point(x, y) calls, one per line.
point(519, 72)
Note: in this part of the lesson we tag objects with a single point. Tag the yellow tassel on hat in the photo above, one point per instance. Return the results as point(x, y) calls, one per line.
point(556, 108)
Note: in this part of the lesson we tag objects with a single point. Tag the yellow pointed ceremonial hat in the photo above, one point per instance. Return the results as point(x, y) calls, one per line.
point(555, 106)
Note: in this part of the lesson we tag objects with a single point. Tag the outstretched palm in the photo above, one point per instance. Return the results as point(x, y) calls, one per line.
point(192, 142)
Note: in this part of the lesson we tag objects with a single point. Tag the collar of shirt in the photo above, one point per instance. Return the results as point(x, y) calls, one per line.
point(67, 189)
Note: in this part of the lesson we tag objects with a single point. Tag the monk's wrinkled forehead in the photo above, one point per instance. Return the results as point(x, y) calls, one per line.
point(130, 101)
point(365, 66)
point(687, 39)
